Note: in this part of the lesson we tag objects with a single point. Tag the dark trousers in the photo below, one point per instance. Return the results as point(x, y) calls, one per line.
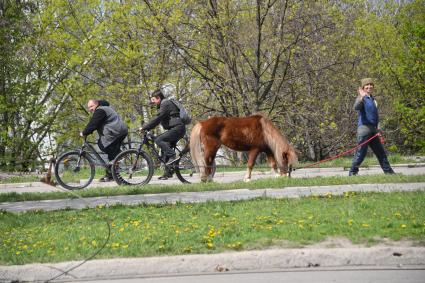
point(377, 149)
point(168, 139)
point(112, 151)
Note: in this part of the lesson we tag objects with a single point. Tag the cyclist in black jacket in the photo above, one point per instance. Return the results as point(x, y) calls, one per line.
point(111, 129)
point(168, 116)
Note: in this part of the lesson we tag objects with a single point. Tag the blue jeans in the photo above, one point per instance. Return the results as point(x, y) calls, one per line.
point(377, 149)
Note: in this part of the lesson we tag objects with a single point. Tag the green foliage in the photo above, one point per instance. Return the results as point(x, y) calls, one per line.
point(297, 62)
point(392, 44)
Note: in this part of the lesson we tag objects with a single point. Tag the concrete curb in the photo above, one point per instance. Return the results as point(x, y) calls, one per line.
point(391, 257)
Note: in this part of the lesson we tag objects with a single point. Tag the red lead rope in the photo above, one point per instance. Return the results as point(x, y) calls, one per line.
point(341, 154)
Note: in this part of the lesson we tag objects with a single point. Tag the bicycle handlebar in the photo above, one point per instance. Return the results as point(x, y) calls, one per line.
point(146, 134)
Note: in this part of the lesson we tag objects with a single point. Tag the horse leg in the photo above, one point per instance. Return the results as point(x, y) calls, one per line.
point(210, 150)
point(272, 163)
point(252, 155)
point(284, 169)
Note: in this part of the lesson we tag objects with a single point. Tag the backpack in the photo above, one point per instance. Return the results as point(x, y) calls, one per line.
point(184, 115)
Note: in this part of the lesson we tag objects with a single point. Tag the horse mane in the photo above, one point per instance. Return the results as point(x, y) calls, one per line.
point(277, 142)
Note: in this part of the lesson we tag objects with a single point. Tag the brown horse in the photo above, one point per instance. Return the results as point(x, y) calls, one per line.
point(254, 134)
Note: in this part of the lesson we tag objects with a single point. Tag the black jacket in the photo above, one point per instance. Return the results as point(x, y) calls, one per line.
point(168, 115)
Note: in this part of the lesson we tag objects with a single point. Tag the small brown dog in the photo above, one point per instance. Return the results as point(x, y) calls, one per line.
point(48, 178)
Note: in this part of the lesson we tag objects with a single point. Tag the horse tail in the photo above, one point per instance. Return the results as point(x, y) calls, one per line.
point(196, 151)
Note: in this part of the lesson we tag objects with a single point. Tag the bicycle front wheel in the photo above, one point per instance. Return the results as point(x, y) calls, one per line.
point(132, 167)
point(185, 170)
point(74, 171)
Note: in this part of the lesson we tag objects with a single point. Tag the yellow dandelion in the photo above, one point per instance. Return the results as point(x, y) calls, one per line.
point(188, 249)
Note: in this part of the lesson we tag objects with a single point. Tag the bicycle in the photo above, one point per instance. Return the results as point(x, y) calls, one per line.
point(136, 166)
point(75, 170)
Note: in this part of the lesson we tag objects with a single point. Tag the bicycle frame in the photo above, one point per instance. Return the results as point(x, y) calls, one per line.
point(92, 151)
point(149, 141)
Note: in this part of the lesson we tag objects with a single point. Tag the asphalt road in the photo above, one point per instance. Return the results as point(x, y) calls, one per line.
point(302, 275)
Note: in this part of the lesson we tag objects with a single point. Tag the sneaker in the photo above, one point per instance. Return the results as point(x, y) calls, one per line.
point(352, 173)
point(165, 176)
point(168, 173)
point(106, 179)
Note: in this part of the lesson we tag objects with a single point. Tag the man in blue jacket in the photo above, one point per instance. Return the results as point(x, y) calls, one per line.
point(367, 126)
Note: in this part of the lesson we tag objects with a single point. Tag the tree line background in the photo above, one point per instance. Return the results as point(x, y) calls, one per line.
point(298, 62)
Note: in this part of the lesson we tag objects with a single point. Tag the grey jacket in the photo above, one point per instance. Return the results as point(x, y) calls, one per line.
point(108, 124)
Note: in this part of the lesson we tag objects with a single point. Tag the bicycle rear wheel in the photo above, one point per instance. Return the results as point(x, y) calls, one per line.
point(132, 167)
point(185, 170)
point(74, 171)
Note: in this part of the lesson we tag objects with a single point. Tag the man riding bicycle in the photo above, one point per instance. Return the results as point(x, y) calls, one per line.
point(168, 115)
point(111, 129)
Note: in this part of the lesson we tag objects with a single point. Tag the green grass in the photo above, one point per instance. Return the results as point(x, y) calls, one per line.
point(257, 184)
point(368, 161)
point(36, 178)
point(20, 179)
point(344, 162)
point(150, 230)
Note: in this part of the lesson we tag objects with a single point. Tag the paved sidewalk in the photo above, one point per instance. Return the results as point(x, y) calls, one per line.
point(194, 197)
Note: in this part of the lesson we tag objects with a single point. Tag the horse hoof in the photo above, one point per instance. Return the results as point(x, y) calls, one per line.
point(247, 180)
point(208, 179)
